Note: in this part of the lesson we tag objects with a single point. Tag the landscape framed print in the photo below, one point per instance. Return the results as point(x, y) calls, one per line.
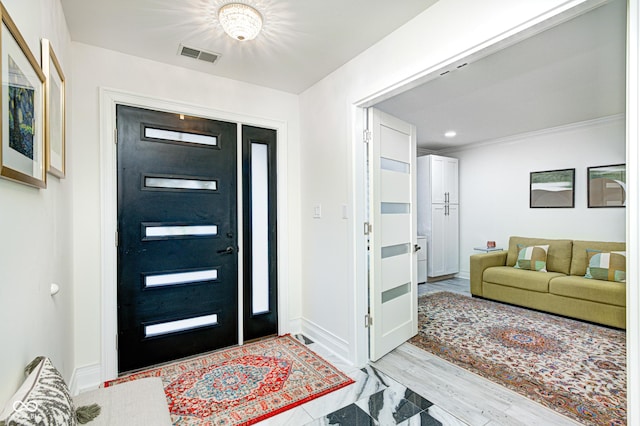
point(552, 189)
point(54, 111)
point(22, 154)
point(607, 186)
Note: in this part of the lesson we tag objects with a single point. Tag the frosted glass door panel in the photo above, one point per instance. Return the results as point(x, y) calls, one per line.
point(394, 165)
point(172, 136)
point(395, 250)
point(180, 231)
point(174, 183)
point(395, 292)
point(158, 280)
point(180, 325)
point(259, 228)
point(395, 208)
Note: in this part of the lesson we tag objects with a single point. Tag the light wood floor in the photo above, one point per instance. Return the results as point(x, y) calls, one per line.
point(468, 397)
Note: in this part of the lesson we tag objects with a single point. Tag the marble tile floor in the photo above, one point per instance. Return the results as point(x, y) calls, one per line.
point(374, 399)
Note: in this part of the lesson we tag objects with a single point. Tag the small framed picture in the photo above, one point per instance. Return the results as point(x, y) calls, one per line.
point(607, 186)
point(552, 189)
point(54, 121)
point(22, 153)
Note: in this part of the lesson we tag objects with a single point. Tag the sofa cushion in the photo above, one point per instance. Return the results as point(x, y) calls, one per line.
point(532, 258)
point(607, 265)
point(558, 255)
point(607, 292)
point(519, 278)
point(579, 260)
point(43, 399)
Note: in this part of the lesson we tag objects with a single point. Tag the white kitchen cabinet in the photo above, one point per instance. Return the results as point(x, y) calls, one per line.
point(438, 213)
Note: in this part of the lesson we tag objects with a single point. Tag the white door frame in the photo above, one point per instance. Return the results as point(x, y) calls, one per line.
point(109, 98)
point(540, 23)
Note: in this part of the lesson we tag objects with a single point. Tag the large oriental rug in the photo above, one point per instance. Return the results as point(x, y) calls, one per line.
point(245, 384)
point(575, 368)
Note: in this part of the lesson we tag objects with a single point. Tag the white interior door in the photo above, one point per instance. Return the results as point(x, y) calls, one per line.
point(393, 300)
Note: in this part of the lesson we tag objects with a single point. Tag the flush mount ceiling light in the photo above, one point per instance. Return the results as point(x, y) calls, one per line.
point(450, 134)
point(240, 21)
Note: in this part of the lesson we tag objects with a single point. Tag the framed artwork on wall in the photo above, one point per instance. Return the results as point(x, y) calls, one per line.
point(552, 189)
point(22, 153)
point(54, 116)
point(607, 186)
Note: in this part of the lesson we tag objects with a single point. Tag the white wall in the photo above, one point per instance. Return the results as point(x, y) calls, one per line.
point(36, 228)
point(95, 68)
point(333, 269)
point(494, 186)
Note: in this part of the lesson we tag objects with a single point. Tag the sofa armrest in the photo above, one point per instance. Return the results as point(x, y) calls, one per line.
point(480, 262)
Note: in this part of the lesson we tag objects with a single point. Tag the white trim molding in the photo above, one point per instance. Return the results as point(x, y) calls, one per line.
point(338, 346)
point(633, 212)
point(109, 98)
point(85, 378)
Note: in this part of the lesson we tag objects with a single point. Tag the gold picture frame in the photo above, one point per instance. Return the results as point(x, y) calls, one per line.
point(22, 150)
point(54, 111)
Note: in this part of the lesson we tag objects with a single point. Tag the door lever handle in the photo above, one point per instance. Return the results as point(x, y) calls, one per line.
point(228, 250)
point(416, 247)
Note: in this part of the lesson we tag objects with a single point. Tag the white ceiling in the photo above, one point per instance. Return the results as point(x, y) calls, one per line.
point(302, 41)
point(567, 74)
point(570, 73)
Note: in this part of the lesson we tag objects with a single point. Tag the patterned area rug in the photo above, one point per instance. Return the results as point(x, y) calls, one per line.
point(575, 368)
point(245, 384)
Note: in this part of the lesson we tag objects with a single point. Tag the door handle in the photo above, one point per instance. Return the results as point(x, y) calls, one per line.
point(416, 247)
point(228, 250)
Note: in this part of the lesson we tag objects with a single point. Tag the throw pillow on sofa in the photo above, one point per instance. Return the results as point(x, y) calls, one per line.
point(532, 258)
point(608, 266)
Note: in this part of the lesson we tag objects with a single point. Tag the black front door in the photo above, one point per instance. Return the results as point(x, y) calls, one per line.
point(177, 236)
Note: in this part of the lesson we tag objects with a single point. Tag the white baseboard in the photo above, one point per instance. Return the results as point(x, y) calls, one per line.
point(332, 342)
point(84, 379)
point(464, 274)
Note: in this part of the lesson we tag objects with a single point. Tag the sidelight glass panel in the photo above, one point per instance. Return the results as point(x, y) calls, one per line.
point(394, 165)
point(395, 250)
point(180, 325)
point(395, 292)
point(180, 231)
point(176, 183)
point(259, 228)
point(159, 280)
point(394, 208)
point(170, 135)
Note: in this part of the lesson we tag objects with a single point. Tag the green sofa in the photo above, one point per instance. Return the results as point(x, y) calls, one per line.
point(562, 290)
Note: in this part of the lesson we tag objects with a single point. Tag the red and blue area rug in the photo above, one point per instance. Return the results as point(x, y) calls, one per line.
point(575, 368)
point(245, 384)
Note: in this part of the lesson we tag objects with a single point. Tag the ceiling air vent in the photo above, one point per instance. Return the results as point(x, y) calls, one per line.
point(199, 54)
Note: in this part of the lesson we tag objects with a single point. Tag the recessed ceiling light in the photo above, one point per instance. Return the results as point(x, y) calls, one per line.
point(450, 134)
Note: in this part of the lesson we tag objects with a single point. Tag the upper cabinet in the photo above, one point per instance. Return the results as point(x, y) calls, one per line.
point(444, 179)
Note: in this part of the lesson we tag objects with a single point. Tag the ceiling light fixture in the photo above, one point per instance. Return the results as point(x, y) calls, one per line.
point(450, 134)
point(240, 21)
